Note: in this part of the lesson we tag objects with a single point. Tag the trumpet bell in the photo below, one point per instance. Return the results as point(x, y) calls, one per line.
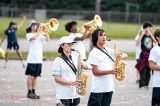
point(98, 20)
point(53, 24)
point(93, 25)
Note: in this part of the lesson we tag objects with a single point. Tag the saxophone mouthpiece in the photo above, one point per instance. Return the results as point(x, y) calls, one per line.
point(108, 39)
point(73, 50)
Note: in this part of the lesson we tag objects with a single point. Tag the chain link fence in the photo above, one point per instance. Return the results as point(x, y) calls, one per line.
point(109, 16)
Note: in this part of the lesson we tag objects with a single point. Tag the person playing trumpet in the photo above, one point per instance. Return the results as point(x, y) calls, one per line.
point(36, 35)
point(72, 28)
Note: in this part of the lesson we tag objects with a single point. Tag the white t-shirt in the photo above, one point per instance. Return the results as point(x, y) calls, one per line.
point(62, 69)
point(138, 48)
point(155, 57)
point(104, 83)
point(79, 45)
point(35, 48)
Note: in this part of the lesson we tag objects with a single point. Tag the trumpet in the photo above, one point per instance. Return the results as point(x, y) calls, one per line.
point(92, 25)
point(45, 28)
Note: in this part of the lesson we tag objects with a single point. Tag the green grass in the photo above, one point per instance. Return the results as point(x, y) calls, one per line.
point(113, 30)
point(46, 55)
point(52, 55)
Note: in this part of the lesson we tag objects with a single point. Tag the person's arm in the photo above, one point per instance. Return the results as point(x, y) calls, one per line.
point(97, 72)
point(153, 65)
point(44, 30)
point(85, 35)
point(35, 36)
point(154, 40)
point(124, 55)
point(79, 39)
point(87, 32)
point(62, 81)
point(21, 22)
point(138, 41)
point(3, 38)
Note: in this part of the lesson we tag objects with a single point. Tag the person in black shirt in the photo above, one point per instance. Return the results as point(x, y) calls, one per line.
point(142, 65)
point(12, 42)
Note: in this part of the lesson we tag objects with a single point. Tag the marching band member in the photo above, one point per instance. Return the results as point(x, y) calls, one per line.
point(12, 41)
point(35, 38)
point(101, 59)
point(65, 76)
point(64, 71)
point(72, 28)
point(154, 63)
point(142, 66)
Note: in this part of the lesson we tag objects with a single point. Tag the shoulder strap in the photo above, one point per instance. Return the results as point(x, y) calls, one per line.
point(69, 63)
point(105, 53)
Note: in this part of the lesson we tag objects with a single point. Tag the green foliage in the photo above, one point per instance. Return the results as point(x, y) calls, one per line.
point(112, 5)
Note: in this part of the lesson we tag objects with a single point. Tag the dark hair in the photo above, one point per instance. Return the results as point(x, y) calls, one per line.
point(11, 23)
point(157, 33)
point(28, 30)
point(147, 24)
point(95, 36)
point(69, 25)
point(60, 49)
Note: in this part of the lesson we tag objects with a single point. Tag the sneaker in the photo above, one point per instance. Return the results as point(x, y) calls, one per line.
point(144, 88)
point(37, 96)
point(32, 96)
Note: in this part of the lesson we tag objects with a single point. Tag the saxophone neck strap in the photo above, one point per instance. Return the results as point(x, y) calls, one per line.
point(105, 52)
point(71, 65)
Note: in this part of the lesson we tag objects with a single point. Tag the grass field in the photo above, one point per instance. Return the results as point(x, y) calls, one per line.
point(52, 55)
point(113, 30)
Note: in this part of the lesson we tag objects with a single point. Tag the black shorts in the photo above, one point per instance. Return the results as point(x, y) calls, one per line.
point(100, 99)
point(156, 96)
point(70, 102)
point(14, 45)
point(33, 69)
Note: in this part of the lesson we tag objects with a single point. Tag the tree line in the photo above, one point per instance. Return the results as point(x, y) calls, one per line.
point(106, 5)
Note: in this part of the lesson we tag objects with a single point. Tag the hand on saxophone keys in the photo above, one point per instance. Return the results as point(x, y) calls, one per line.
point(74, 83)
point(86, 66)
point(121, 56)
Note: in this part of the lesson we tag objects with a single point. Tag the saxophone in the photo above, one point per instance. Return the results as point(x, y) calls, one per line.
point(118, 64)
point(81, 76)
